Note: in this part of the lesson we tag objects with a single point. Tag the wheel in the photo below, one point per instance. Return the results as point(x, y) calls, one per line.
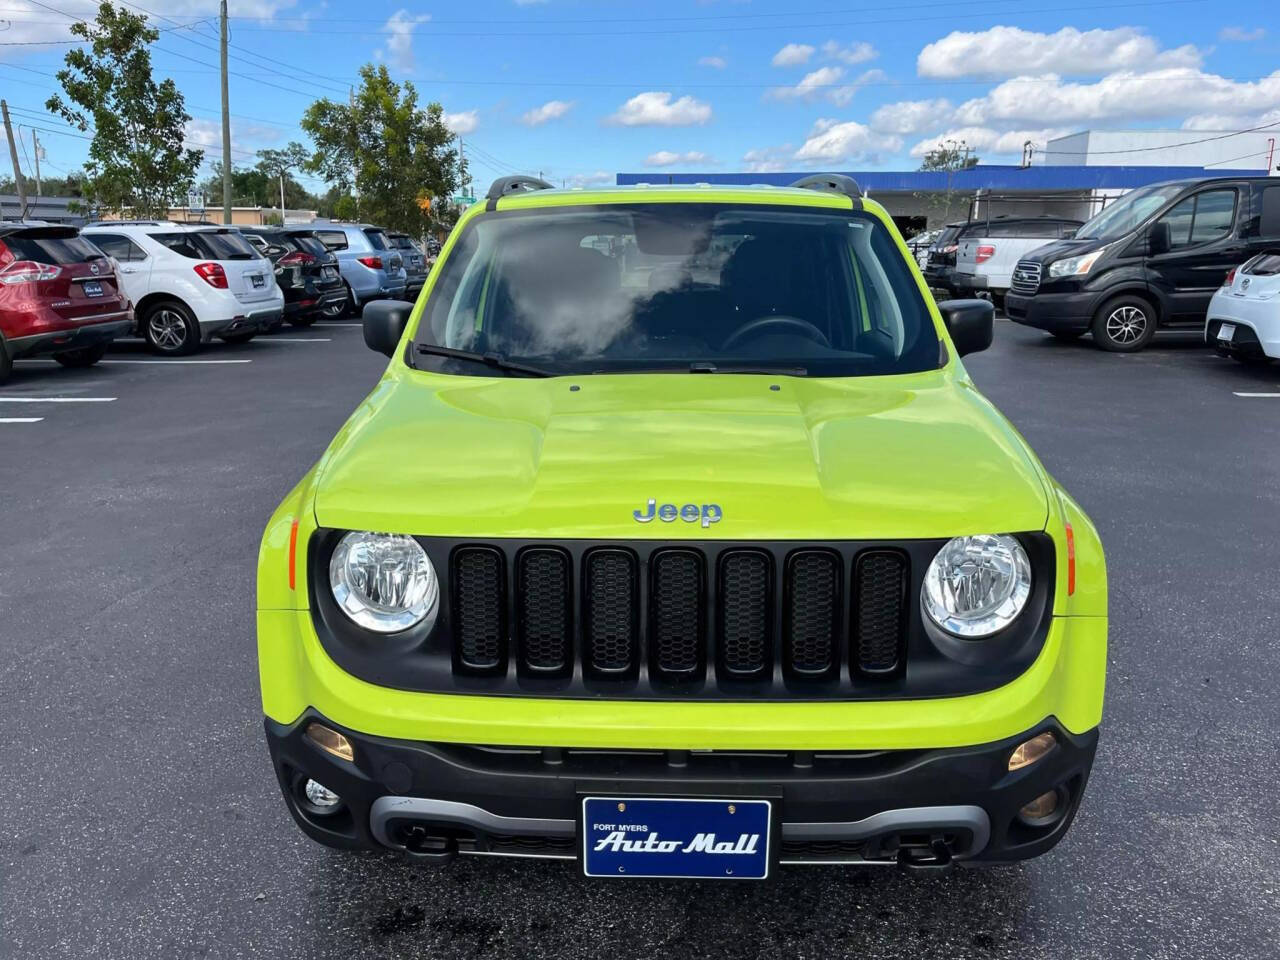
point(302, 321)
point(343, 308)
point(170, 329)
point(84, 357)
point(1067, 334)
point(6, 362)
point(1124, 324)
point(238, 337)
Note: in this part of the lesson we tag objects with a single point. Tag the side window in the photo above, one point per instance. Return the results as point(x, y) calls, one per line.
point(1179, 221)
point(333, 239)
point(1215, 213)
point(114, 245)
point(1269, 223)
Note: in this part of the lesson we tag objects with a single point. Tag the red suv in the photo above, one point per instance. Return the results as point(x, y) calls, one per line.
point(58, 295)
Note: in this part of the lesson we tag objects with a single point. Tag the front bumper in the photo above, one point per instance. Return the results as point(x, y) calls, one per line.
point(1054, 312)
point(73, 338)
point(437, 799)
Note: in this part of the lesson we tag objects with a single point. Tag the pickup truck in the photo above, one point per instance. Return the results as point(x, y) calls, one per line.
point(986, 256)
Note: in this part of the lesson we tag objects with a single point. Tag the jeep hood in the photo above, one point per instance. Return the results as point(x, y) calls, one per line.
point(916, 456)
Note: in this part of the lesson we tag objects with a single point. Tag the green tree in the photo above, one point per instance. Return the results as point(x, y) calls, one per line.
point(394, 155)
point(278, 165)
point(138, 160)
point(948, 156)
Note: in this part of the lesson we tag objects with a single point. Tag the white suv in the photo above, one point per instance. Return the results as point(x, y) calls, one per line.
point(191, 283)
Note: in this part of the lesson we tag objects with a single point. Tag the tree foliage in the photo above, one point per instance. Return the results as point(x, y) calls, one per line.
point(950, 155)
point(138, 160)
point(386, 150)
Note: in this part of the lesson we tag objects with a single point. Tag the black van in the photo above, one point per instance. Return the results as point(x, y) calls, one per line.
point(1152, 259)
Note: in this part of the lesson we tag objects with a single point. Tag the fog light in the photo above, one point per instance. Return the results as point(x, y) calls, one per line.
point(330, 741)
point(1041, 810)
point(1031, 751)
point(321, 797)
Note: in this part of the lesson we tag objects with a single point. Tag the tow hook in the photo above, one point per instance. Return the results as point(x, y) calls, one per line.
point(421, 844)
point(938, 860)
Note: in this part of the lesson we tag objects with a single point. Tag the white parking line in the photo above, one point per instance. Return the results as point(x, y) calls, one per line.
point(56, 399)
point(20, 419)
point(175, 361)
point(299, 340)
point(1238, 394)
point(332, 323)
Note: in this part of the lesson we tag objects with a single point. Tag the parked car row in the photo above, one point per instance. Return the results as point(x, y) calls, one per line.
point(67, 292)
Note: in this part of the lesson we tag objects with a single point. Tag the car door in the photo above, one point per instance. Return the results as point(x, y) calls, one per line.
point(1204, 246)
point(134, 264)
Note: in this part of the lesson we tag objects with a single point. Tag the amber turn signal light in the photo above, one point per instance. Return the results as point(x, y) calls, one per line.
point(1031, 751)
point(330, 741)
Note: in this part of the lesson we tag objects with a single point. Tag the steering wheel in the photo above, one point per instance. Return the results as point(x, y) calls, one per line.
point(783, 324)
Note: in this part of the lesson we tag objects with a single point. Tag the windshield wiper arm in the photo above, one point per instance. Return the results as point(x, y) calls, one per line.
point(495, 360)
point(703, 366)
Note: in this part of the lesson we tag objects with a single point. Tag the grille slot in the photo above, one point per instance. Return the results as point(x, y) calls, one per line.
point(611, 623)
point(479, 602)
point(676, 602)
point(543, 611)
point(1026, 277)
point(812, 621)
point(879, 611)
point(746, 635)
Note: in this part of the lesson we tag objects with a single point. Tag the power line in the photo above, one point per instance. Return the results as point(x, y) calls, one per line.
point(1166, 146)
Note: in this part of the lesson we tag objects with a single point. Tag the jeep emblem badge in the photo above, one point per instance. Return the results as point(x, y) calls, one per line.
point(707, 513)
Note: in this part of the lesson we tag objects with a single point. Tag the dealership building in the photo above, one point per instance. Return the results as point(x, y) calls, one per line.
point(1073, 176)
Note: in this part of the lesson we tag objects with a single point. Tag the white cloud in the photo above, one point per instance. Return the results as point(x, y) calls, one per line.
point(767, 159)
point(1240, 34)
point(399, 29)
point(596, 179)
point(1127, 97)
point(911, 116)
point(985, 141)
point(793, 55)
point(551, 110)
point(859, 52)
point(825, 82)
point(1231, 121)
point(668, 158)
point(831, 141)
point(658, 109)
point(1012, 51)
point(719, 63)
point(464, 121)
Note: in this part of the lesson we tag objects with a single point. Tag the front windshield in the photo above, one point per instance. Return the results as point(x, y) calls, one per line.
point(1128, 212)
point(622, 288)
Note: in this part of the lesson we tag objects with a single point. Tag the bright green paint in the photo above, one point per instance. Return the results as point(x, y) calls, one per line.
point(914, 456)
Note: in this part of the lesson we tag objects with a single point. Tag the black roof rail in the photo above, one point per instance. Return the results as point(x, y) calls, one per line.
point(830, 183)
point(517, 184)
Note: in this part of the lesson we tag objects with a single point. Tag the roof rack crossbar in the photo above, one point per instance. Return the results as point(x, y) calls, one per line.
point(830, 183)
point(517, 184)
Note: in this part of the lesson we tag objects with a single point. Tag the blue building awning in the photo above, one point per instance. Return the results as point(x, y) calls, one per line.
point(993, 178)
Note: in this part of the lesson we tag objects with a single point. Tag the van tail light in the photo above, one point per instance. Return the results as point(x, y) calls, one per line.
point(373, 263)
point(28, 271)
point(1071, 560)
point(296, 259)
point(212, 274)
point(1231, 277)
point(985, 252)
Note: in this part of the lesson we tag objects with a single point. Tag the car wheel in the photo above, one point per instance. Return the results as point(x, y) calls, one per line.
point(170, 329)
point(238, 337)
point(1124, 325)
point(6, 362)
point(84, 357)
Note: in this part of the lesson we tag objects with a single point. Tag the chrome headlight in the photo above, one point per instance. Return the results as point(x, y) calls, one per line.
point(1077, 266)
point(383, 582)
point(977, 586)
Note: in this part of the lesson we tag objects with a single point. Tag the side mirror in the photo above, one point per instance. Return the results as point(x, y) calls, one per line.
point(971, 323)
point(384, 322)
point(1159, 240)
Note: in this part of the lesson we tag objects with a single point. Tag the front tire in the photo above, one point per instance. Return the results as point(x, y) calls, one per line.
point(84, 357)
point(6, 362)
point(170, 330)
point(1124, 324)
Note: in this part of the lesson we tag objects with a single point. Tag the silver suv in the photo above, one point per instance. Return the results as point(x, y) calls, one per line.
point(371, 267)
point(415, 264)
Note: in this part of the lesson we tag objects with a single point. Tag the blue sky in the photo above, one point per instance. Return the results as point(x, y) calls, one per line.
point(580, 90)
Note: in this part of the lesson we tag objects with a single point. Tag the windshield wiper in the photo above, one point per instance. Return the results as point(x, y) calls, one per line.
point(495, 360)
point(708, 367)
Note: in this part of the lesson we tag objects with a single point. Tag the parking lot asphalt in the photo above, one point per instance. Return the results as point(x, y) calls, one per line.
point(141, 817)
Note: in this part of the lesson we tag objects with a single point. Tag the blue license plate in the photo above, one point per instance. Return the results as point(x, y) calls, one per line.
point(92, 288)
point(651, 837)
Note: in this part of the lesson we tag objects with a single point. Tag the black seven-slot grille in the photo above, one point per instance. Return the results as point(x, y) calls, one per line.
point(680, 614)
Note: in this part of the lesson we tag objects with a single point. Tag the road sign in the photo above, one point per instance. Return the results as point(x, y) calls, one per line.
point(195, 202)
point(464, 200)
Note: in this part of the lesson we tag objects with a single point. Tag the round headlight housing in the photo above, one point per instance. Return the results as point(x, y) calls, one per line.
point(976, 586)
point(383, 582)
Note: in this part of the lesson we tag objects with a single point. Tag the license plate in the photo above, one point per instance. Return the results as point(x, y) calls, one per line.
point(1226, 332)
point(258, 280)
point(659, 837)
point(92, 288)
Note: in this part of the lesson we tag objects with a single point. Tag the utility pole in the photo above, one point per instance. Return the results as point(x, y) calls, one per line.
point(13, 155)
point(282, 196)
point(35, 150)
point(226, 122)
